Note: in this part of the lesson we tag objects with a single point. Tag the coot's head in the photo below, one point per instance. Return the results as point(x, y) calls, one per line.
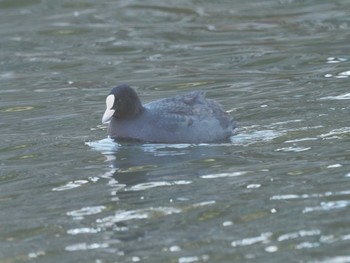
point(122, 103)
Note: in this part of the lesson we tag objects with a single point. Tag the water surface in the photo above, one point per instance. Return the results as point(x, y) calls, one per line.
point(277, 191)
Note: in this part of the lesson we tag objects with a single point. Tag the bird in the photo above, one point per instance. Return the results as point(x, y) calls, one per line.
point(184, 118)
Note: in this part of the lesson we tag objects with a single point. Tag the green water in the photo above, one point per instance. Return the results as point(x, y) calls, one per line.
point(278, 191)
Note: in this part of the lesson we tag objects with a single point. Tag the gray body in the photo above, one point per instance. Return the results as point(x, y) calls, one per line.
point(187, 118)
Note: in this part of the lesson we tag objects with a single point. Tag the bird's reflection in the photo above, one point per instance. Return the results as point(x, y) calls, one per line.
point(143, 180)
point(132, 163)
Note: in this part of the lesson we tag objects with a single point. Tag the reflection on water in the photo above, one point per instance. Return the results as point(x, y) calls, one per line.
point(279, 187)
point(345, 96)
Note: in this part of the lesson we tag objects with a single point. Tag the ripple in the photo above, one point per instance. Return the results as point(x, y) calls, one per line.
point(222, 175)
point(70, 185)
point(145, 186)
point(335, 60)
point(204, 203)
point(25, 156)
point(281, 123)
point(331, 238)
point(174, 248)
point(305, 196)
point(271, 249)
point(166, 149)
point(110, 146)
point(17, 109)
point(83, 230)
point(293, 149)
point(345, 96)
point(252, 186)
point(301, 140)
point(337, 259)
point(341, 75)
point(191, 259)
point(105, 146)
point(336, 165)
point(334, 134)
point(37, 254)
point(7, 75)
point(85, 246)
point(344, 73)
point(248, 138)
point(327, 206)
point(89, 210)
point(64, 31)
point(307, 245)
point(263, 238)
point(125, 215)
point(227, 223)
point(299, 234)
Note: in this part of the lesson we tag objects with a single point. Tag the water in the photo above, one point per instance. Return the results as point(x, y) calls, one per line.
point(278, 191)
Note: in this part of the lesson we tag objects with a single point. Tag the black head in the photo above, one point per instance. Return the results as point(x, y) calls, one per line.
point(122, 103)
